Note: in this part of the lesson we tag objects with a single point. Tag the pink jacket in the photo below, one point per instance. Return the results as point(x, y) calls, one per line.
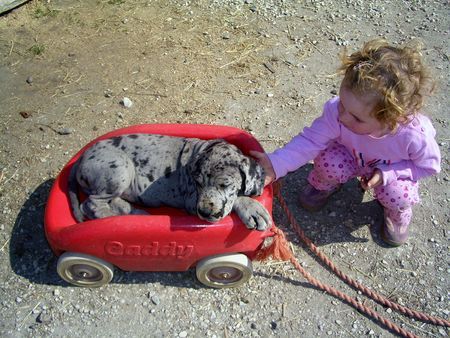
point(411, 152)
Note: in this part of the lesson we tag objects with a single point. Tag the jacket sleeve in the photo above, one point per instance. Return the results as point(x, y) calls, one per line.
point(308, 144)
point(424, 160)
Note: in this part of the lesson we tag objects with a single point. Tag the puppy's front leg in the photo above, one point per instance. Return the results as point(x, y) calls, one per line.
point(94, 207)
point(119, 206)
point(252, 213)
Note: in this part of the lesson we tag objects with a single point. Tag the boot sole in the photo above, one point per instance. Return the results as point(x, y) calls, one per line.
point(316, 208)
point(388, 241)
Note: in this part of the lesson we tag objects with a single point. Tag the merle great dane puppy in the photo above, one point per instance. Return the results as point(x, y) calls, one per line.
point(206, 178)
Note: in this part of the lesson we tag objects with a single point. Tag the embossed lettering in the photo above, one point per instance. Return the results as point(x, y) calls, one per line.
point(151, 249)
point(114, 248)
point(133, 250)
point(154, 249)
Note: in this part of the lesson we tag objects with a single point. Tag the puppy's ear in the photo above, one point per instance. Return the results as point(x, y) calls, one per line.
point(252, 177)
point(201, 156)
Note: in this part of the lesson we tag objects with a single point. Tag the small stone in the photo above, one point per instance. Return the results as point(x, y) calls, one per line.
point(26, 114)
point(269, 67)
point(155, 299)
point(389, 310)
point(182, 334)
point(269, 95)
point(65, 131)
point(56, 292)
point(29, 79)
point(126, 102)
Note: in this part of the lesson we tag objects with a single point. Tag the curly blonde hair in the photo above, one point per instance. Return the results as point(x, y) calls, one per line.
point(396, 76)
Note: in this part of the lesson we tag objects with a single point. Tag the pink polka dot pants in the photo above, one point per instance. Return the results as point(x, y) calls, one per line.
point(335, 165)
point(397, 198)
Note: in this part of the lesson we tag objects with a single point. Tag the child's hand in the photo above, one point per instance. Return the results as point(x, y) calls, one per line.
point(372, 182)
point(264, 161)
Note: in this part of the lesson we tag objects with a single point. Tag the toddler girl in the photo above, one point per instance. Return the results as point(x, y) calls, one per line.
point(372, 130)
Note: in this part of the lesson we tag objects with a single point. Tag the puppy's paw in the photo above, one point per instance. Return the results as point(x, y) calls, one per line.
point(252, 213)
point(119, 206)
point(93, 208)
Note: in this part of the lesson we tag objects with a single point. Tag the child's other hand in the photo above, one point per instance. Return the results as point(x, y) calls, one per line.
point(374, 181)
point(264, 161)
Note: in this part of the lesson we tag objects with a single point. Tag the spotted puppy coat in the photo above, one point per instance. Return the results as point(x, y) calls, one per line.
point(206, 178)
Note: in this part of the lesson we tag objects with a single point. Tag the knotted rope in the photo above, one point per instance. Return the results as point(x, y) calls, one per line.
point(279, 250)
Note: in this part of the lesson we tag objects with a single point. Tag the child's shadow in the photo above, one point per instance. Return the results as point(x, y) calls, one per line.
point(349, 215)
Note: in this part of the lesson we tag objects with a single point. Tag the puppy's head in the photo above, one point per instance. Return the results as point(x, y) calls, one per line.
point(222, 173)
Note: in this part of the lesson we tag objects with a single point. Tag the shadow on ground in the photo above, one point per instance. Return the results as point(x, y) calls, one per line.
point(31, 257)
point(345, 218)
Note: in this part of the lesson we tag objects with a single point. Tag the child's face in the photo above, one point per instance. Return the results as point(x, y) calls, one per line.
point(355, 113)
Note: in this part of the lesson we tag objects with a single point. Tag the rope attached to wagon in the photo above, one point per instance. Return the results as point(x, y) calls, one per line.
point(280, 250)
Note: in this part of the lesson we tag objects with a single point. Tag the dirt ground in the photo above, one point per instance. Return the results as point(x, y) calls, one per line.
point(263, 66)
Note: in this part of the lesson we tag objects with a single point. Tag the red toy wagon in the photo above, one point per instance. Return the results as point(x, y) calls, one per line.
point(167, 240)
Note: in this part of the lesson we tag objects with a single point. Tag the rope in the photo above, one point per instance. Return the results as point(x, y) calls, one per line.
point(279, 250)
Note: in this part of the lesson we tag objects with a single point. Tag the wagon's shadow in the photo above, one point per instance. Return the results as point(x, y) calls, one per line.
point(31, 257)
point(345, 218)
point(29, 253)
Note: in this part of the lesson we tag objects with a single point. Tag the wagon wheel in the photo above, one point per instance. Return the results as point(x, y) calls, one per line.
point(84, 270)
point(224, 271)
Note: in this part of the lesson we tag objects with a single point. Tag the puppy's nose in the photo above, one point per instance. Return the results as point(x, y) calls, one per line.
point(204, 214)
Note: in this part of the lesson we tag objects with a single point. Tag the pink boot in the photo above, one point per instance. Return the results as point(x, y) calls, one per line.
point(396, 226)
point(313, 200)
